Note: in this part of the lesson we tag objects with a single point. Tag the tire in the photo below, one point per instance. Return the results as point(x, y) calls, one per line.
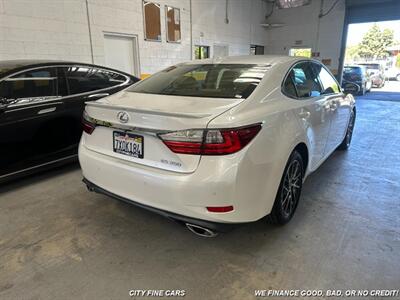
point(289, 191)
point(349, 132)
point(362, 91)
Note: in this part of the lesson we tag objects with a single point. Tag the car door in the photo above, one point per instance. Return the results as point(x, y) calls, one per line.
point(88, 83)
point(33, 100)
point(339, 108)
point(311, 109)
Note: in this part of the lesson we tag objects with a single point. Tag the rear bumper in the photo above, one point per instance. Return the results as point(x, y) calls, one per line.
point(219, 227)
point(245, 180)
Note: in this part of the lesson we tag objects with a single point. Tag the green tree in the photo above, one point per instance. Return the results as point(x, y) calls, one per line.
point(374, 43)
point(352, 52)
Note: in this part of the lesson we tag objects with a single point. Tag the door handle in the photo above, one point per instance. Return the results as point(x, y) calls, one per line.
point(46, 110)
point(100, 95)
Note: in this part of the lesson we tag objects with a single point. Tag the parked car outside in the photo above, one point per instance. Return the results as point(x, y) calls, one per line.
point(213, 143)
point(41, 105)
point(393, 73)
point(376, 72)
point(359, 76)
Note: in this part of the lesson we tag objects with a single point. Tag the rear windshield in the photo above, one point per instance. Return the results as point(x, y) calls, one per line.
point(204, 80)
point(353, 70)
point(371, 66)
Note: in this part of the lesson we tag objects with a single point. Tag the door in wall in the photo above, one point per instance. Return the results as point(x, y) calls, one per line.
point(120, 52)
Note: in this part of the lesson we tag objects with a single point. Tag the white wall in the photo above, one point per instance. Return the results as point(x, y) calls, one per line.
point(302, 23)
point(43, 29)
point(58, 29)
point(243, 29)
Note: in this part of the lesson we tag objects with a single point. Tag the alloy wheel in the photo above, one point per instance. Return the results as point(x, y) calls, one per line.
point(291, 188)
point(349, 133)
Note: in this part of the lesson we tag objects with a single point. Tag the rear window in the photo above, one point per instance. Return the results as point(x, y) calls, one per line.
point(371, 66)
point(352, 70)
point(204, 80)
point(83, 79)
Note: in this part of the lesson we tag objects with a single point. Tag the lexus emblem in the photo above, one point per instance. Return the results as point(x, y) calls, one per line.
point(123, 116)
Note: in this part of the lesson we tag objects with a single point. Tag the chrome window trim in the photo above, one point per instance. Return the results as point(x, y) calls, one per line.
point(127, 79)
point(30, 78)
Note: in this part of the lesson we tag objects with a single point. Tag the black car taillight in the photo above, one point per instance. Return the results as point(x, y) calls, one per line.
point(210, 141)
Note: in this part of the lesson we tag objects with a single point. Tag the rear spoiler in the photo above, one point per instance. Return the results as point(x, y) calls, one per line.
point(150, 112)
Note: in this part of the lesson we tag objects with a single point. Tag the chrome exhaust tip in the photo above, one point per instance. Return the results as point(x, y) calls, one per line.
point(201, 231)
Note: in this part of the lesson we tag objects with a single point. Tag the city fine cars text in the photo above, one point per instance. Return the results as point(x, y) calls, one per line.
point(157, 293)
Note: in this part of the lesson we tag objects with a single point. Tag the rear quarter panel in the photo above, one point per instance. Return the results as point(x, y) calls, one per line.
point(261, 166)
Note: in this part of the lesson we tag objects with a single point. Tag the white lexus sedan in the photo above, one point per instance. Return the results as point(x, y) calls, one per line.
point(212, 143)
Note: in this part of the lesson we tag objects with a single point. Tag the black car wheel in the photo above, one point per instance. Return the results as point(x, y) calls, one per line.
point(362, 91)
point(349, 133)
point(289, 191)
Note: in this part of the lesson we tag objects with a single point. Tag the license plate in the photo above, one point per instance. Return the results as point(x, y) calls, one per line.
point(128, 144)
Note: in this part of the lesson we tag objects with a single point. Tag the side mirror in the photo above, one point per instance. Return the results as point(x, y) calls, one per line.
point(351, 88)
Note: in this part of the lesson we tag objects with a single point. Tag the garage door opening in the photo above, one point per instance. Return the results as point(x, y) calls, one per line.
point(121, 53)
point(372, 60)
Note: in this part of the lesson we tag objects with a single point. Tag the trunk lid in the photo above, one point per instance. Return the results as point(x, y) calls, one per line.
point(149, 114)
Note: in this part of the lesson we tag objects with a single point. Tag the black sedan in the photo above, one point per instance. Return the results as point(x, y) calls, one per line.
point(41, 106)
point(356, 76)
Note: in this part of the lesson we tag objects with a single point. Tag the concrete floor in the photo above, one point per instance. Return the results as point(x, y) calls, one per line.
point(58, 241)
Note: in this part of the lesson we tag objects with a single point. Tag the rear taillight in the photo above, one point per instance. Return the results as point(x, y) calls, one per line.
point(210, 141)
point(88, 125)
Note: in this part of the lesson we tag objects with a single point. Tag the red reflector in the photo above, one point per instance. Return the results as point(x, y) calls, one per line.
point(88, 127)
point(220, 209)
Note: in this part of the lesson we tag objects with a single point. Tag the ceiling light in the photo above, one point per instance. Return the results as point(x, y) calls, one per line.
point(291, 3)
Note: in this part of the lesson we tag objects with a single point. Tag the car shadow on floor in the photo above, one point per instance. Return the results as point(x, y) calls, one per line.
point(38, 177)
